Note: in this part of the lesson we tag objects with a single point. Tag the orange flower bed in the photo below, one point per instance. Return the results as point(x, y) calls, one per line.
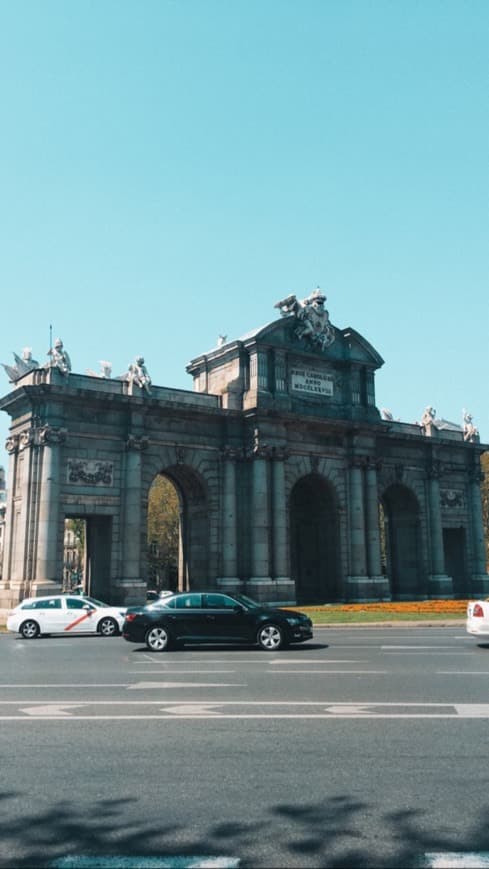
point(418, 606)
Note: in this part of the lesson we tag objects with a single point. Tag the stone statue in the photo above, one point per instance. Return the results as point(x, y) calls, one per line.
point(22, 365)
point(59, 358)
point(312, 318)
point(471, 433)
point(221, 340)
point(387, 415)
point(106, 370)
point(428, 417)
point(138, 373)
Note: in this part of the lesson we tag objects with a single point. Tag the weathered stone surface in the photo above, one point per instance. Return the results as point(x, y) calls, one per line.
point(281, 458)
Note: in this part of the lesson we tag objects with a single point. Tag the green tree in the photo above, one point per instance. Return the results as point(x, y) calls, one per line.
point(163, 533)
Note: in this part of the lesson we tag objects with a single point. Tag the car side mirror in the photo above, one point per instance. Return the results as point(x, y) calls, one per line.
point(87, 606)
point(238, 608)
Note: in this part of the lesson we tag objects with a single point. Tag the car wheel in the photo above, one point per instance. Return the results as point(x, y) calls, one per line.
point(29, 629)
point(108, 627)
point(270, 638)
point(157, 639)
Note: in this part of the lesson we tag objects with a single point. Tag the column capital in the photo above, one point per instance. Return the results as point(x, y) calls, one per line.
point(358, 462)
point(12, 444)
point(232, 454)
point(373, 464)
point(476, 475)
point(434, 470)
point(137, 443)
point(280, 454)
point(50, 435)
point(27, 438)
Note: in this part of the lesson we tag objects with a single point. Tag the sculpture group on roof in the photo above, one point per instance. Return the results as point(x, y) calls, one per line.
point(311, 318)
point(311, 324)
point(138, 373)
point(59, 358)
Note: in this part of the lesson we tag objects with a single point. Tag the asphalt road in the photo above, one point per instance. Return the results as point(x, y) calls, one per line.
point(367, 747)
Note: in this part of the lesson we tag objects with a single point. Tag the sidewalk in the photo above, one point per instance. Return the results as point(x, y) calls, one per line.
point(428, 623)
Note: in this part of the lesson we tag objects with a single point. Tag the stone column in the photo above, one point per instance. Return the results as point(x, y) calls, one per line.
point(479, 581)
point(132, 526)
point(358, 560)
point(8, 576)
point(259, 523)
point(440, 585)
point(379, 584)
point(229, 580)
point(258, 378)
point(48, 572)
point(285, 588)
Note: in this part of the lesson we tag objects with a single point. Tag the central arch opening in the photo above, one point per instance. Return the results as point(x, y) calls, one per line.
point(164, 511)
point(314, 540)
point(177, 531)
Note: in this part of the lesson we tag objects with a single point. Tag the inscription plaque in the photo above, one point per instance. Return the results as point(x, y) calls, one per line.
point(311, 381)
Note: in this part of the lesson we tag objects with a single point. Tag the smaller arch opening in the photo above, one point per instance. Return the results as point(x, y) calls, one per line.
point(401, 536)
point(314, 540)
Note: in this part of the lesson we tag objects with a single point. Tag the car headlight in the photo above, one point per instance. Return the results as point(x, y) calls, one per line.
point(292, 620)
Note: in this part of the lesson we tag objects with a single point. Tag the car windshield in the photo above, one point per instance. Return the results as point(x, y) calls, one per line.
point(248, 602)
point(161, 602)
point(94, 601)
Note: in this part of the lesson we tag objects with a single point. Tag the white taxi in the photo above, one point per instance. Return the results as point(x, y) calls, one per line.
point(477, 624)
point(65, 614)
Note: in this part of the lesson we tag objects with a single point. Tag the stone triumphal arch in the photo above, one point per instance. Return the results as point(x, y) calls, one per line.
point(292, 486)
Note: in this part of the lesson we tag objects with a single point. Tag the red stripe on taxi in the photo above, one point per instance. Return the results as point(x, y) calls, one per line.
point(77, 621)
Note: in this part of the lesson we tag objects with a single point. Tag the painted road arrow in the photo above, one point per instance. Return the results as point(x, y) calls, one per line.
point(53, 709)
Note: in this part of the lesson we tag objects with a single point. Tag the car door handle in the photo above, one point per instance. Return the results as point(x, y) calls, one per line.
point(210, 618)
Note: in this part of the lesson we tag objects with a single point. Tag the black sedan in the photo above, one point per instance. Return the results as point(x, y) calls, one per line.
point(212, 617)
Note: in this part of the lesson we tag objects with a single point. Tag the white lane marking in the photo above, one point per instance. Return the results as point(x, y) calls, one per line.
point(346, 704)
point(244, 716)
point(455, 860)
point(144, 862)
point(413, 647)
point(426, 654)
point(169, 672)
point(471, 710)
point(193, 709)
point(307, 661)
point(339, 709)
point(462, 672)
point(144, 685)
point(58, 709)
point(330, 672)
point(274, 709)
point(68, 685)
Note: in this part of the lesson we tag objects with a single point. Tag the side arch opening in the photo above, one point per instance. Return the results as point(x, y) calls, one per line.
point(401, 536)
point(314, 540)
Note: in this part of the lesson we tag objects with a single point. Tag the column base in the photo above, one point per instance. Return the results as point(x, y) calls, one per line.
point(367, 589)
point(45, 587)
point(284, 591)
point(10, 595)
point(129, 591)
point(260, 588)
point(440, 586)
point(279, 591)
point(479, 585)
point(229, 583)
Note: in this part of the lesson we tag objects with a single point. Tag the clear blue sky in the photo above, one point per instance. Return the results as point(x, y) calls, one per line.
point(171, 169)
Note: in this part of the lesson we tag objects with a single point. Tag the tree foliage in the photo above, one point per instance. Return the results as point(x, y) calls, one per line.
point(163, 533)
